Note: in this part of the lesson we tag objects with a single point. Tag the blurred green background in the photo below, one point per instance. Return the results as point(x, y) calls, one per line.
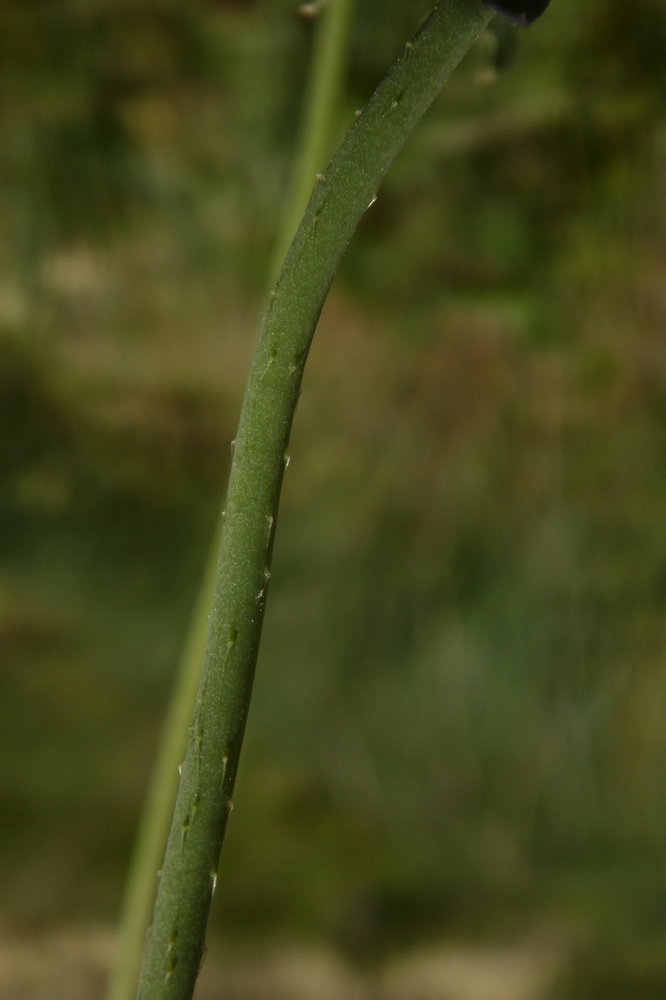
point(459, 722)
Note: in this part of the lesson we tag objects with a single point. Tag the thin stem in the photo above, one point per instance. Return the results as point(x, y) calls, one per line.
point(158, 806)
point(329, 60)
point(176, 940)
point(328, 63)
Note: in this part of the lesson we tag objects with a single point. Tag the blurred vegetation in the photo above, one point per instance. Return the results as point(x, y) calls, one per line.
point(460, 715)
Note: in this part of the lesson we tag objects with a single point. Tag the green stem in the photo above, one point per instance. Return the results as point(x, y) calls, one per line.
point(327, 71)
point(160, 797)
point(176, 941)
point(323, 89)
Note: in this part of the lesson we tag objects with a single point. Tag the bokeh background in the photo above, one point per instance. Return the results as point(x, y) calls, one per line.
point(458, 736)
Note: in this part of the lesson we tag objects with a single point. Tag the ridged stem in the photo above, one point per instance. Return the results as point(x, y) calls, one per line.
point(176, 941)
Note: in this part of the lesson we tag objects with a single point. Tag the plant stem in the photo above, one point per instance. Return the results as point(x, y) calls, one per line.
point(328, 64)
point(314, 147)
point(176, 940)
point(159, 802)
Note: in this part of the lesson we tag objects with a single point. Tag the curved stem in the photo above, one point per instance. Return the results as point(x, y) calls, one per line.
point(326, 76)
point(176, 940)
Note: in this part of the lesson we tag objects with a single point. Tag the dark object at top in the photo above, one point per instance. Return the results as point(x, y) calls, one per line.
point(519, 11)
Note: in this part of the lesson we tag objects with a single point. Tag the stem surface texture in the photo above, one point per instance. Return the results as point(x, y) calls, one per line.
point(176, 941)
